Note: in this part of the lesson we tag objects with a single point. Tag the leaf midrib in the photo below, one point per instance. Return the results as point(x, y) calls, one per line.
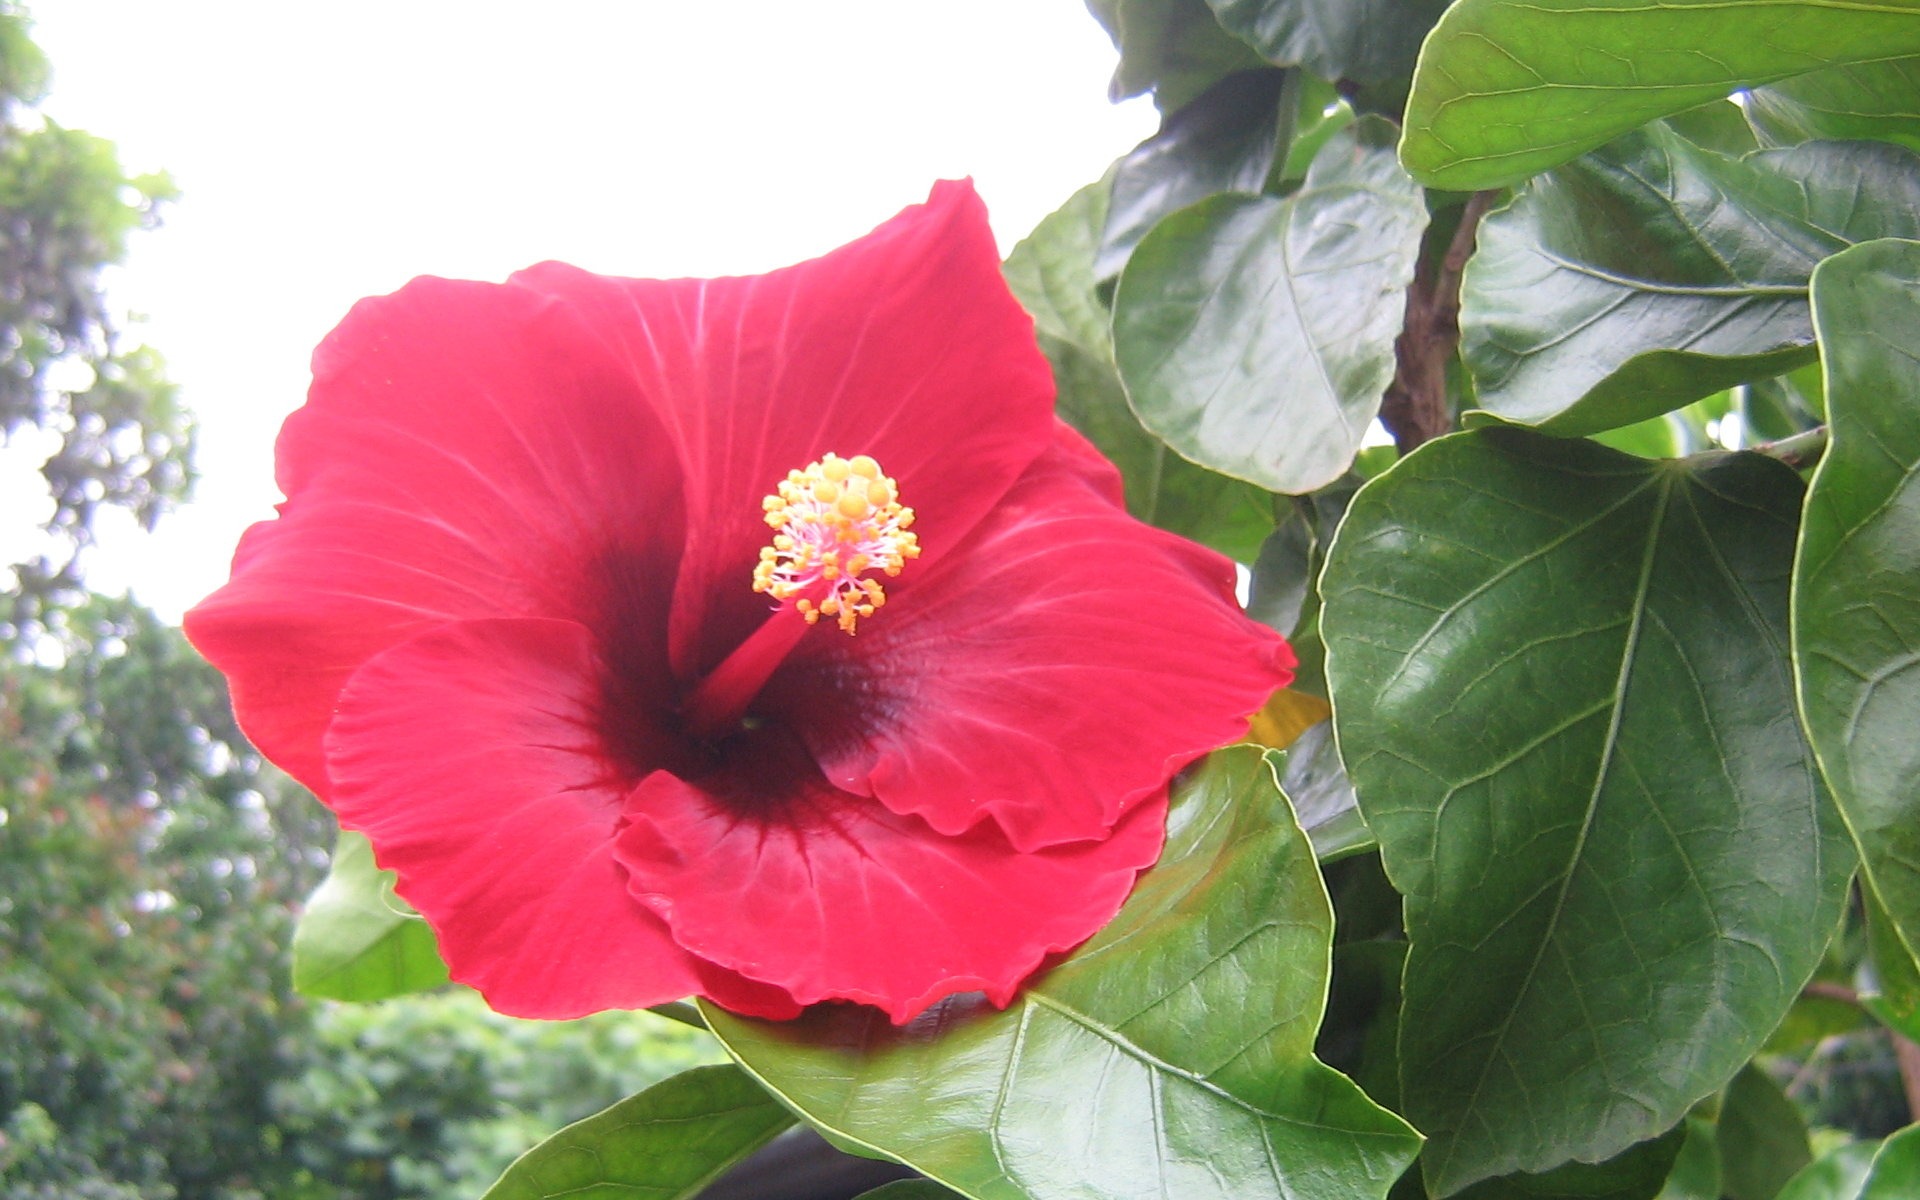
point(1665, 482)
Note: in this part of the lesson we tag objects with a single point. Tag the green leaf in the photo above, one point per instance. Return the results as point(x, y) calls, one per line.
point(1838, 1176)
point(1895, 1173)
point(1696, 1172)
point(1170, 1054)
point(1864, 100)
point(1651, 273)
point(1856, 619)
point(1509, 88)
point(1561, 688)
point(1255, 335)
point(910, 1189)
point(1174, 48)
point(1051, 271)
point(1360, 41)
point(1225, 141)
point(357, 940)
point(1636, 1173)
point(1889, 979)
point(1323, 797)
point(666, 1143)
point(1763, 1138)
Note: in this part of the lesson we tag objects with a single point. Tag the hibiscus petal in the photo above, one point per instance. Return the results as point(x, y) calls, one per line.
point(471, 756)
point(905, 345)
point(832, 897)
point(1049, 673)
point(459, 456)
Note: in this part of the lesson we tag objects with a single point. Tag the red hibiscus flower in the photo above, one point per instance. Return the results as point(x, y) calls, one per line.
point(762, 638)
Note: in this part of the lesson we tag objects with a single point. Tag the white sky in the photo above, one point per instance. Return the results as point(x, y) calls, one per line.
point(331, 152)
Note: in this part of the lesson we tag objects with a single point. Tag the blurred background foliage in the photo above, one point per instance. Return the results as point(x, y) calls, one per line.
point(151, 864)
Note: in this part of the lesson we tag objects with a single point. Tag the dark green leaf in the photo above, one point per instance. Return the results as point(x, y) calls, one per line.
point(1225, 141)
point(1323, 796)
point(1362, 41)
point(1856, 612)
point(1508, 88)
point(1652, 273)
point(1256, 334)
point(357, 940)
point(1051, 271)
point(1636, 1173)
point(1763, 1138)
point(1174, 48)
point(1562, 691)
point(666, 1143)
point(1864, 100)
point(1172, 1053)
point(1837, 1176)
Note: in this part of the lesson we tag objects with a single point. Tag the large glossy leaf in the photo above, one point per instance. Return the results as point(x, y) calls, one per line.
point(1174, 48)
point(1561, 688)
point(1256, 334)
point(1051, 271)
point(1360, 41)
point(1170, 1056)
point(1651, 273)
point(357, 940)
point(1509, 88)
point(1225, 141)
point(666, 1143)
point(1864, 100)
point(1856, 619)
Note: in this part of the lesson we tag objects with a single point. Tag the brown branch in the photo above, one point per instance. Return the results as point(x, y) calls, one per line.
point(1908, 1056)
point(1831, 991)
point(1415, 408)
point(1800, 451)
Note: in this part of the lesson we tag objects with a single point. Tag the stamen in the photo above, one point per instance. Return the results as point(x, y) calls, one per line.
point(833, 522)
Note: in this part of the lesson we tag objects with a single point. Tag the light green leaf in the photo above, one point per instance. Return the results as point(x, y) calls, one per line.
point(1838, 1176)
point(357, 940)
point(1763, 1138)
point(1561, 689)
point(1651, 273)
point(1255, 335)
point(1508, 88)
point(666, 1143)
point(1171, 1055)
point(1864, 100)
point(1051, 271)
point(1696, 1172)
point(1895, 1173)
point(910, 1189)
point(1856, 618)
point(1360, 41)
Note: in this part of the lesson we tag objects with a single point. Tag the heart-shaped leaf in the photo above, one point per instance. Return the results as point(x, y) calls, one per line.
point(1763, 1137)
point(1636, 1173)
point(1856, 619)
point(357, 940)
point(1051, 271)
point(666, 1143)
point(1171, 1055)
point(1509, 88)
point(1255, 335)
point(1651, 273)
point(1561, 688)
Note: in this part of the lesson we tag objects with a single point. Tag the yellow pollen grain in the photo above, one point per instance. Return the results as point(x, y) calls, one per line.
point(834, 521)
